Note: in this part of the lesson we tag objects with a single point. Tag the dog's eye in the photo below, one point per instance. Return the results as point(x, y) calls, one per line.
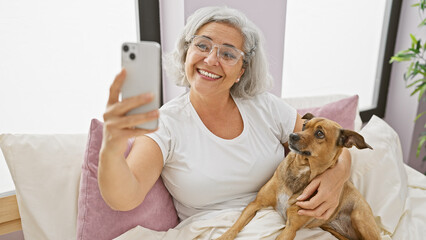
point(303, 127)
point(319, 134)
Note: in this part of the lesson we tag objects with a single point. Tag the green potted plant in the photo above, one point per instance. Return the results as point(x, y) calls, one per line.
point(415, 76)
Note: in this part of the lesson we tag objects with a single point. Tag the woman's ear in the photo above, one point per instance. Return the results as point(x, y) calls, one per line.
point(241, 74)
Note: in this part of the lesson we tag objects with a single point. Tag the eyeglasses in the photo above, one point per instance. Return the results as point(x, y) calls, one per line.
point(228, 55)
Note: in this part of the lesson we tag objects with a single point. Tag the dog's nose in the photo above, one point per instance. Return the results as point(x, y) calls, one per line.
point(294, 137)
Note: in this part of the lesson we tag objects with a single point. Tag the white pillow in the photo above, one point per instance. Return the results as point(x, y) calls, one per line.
point(46, 172)
point(379, 174)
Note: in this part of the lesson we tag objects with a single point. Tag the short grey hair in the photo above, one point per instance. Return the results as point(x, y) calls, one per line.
point(256, 78)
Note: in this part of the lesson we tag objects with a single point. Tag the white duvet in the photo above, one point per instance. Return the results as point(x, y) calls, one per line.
point(395, 192)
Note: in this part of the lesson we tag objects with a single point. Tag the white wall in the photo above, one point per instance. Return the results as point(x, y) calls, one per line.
point(401, 108)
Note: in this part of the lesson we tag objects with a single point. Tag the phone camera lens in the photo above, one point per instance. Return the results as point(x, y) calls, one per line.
point(132, 56)
point(125, 48)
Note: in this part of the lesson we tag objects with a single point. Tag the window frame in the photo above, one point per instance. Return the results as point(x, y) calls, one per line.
point(385, 75)
point(148, 25)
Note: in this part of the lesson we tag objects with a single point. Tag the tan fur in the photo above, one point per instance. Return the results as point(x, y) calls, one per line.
point(311, 155)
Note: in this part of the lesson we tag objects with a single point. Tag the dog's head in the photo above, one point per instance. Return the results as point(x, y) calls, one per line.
point(321, 140)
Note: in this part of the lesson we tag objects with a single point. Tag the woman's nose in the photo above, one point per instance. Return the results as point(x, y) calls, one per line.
point(212, 58)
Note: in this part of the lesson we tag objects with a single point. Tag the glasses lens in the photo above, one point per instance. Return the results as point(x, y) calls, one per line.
point(227, 55)
point(202, 44)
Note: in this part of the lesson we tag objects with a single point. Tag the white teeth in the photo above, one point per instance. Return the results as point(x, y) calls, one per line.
point(207, 74)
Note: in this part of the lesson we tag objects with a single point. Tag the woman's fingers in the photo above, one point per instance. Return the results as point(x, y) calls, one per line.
point(131, 121)
point(309, 190)
point(313, 203)
point(121, 108)
point(117, 124)
point(322, 212)
point(115, 89)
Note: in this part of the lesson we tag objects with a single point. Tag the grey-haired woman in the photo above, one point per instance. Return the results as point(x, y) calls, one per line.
point(217, 144)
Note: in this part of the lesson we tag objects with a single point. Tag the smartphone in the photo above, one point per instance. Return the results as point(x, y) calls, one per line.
point(142, 61)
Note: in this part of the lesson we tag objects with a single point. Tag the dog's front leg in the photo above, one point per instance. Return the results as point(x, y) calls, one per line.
point(294, 223)
point(363, 222)
point(246, 216)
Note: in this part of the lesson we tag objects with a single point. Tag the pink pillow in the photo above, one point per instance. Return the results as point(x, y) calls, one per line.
point(96, 220)
point(343, 111)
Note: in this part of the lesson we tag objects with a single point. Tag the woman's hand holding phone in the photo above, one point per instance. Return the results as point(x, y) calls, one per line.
point(132, 111)
point(118, 127)
point(139, 86)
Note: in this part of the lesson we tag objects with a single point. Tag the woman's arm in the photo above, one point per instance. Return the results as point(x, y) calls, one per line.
point(124, 183)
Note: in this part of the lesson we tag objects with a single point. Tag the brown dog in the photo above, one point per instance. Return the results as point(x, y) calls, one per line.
point(315, 149)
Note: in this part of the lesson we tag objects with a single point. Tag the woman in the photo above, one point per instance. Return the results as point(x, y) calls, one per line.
point(217, 144)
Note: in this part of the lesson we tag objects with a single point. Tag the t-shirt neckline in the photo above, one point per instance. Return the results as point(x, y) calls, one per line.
point(212, 135)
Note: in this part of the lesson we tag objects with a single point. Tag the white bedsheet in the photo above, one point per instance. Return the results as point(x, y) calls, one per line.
point(412, 224)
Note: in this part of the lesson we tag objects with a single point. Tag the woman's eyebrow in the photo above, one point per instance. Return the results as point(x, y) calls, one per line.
point(225, 44)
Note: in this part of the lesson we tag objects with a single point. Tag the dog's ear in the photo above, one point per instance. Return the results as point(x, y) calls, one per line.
point(308, 116)
point(350, 138)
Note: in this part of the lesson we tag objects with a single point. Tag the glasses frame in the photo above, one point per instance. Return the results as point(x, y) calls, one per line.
point(218, 46)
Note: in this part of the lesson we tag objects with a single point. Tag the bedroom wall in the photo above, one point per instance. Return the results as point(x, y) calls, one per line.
point(401, 108)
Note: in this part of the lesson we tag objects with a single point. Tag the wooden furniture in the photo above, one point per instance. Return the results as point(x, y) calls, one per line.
point(10, 220)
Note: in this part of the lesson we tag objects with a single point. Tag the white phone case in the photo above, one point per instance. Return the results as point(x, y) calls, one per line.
point(142, 61)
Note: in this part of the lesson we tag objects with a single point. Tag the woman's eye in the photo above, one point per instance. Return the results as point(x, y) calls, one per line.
point(319, 134)
point(228, 55)
point(202, 47)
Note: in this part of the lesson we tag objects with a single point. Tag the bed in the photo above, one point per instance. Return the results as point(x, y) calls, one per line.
point(56, 195)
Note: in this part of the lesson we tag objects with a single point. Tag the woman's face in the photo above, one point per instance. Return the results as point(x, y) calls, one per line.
point(206, 74)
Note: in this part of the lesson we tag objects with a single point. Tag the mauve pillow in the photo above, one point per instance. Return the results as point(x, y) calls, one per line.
point(342, 111)
point(96, 220)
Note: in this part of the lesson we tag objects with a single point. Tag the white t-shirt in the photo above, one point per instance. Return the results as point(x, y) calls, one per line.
point(204, 172)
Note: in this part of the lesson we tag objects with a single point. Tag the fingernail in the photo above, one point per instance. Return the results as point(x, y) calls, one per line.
point(299, 197)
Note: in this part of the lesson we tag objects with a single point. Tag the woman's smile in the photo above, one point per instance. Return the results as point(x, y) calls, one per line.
point(208, 75)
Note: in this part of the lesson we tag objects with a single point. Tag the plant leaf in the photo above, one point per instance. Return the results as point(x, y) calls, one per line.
point(400, 57)
point(419, 147)
point(422, 91)
point(418, 116)
point(409, 72)
point(415, 91)
point(413, 39)
point(423, 23)
point(417, 81)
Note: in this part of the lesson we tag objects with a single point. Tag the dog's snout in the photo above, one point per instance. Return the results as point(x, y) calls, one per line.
point(294, 137)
